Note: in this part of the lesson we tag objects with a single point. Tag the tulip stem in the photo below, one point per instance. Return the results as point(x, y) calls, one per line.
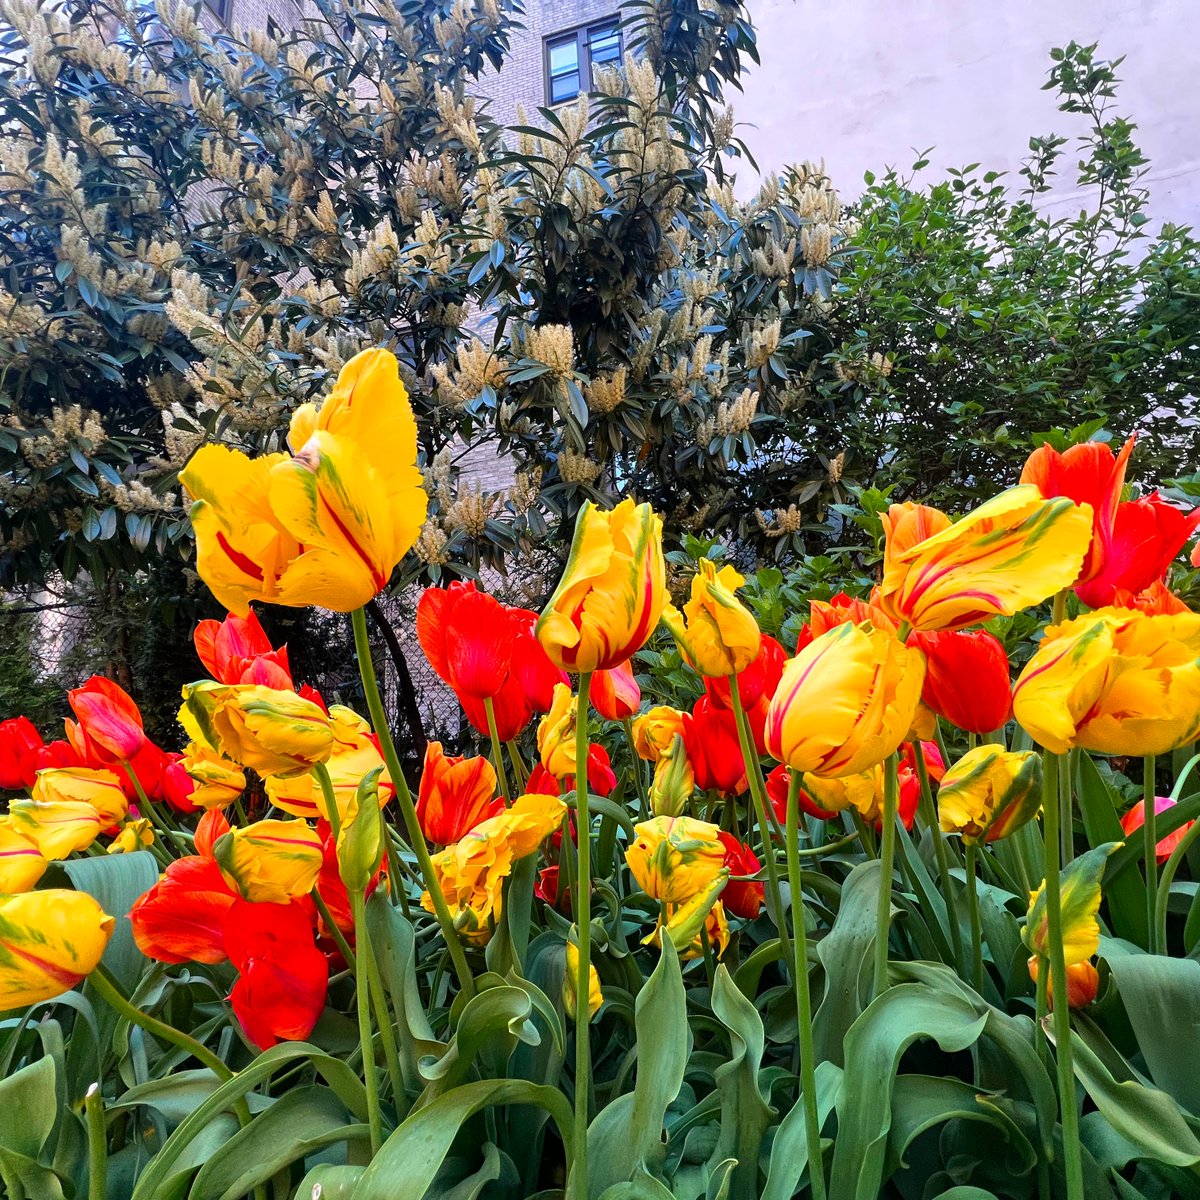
point(1150, 851)
point(930, 814)
point(519, 772)
point(155, 815)
point(583, 925)
point(497, 750)
point(97, 1138)
point(973, 917)
point(638, 769)
point(887, 857)
point(808, 1066)
point(1072, 1161)
point(758, 795)
point(366, 1041)
point(366, 670)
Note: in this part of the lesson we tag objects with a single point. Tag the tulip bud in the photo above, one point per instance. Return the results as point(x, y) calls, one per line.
point(1083, 982)
point(717, 634)
point(270, 861)
point(360, 844)
point(686, 920)
point(675, 858)
point(571, 985)
point(673, 782)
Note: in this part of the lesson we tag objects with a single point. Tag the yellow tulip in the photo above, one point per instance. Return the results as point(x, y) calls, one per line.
point(845, 702)
point(270, 861)
point(989, 793)
point(22, 864)
point(355, 754)
point(1080, 898)
point(612, 592)
point(1014, 551)
point(1114, 681)
point(675, 858)
point(56, 827)
point(471, 873)
point(716, 632)
point(219, 781)
point(571, 985)
point(328, 524)
point(556, 734)
point(862, 791)
point(49, 942)
point(135, 836)
point(673, 783)
point(101, 789)
point(699, 917)
point(656, 730)
point(273, 732)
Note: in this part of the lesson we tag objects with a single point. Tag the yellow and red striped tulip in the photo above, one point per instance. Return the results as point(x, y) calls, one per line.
point(219, 781)
point(612, 592)
point(675, 858)
point(556, 734)
point(1114, 681)
point(271, 861)
point(989, 793)
point(57, 827)
point(49, 942)
point(716, 632)
point(1014, 551)
point(845, 702)
point(656, 730)
point(99, 788)
point(1083, 982)
point(1080, 897)
point(302, 796)
point(22, 864)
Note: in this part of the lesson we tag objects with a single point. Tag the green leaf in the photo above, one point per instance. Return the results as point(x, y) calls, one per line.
point(789, 1148)
point(335, 1182)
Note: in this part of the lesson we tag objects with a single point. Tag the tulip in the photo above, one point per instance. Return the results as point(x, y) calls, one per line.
point(1135, 818)
point(654, 731)
point(182, 917)
point(237, 650)
point(145, 771)
point(1083, 982)
point(110, 725)
point(58, 753)
point(270, 861)
point(756, 682)
point(601, 778)
point(1080, 883)
point(615, 694)
point(467, 637)
point(456, 794)
point(989, 793)
point(673, 783)
point(101, 789)
point(685, 923)
point(862, 791)
point(966, 679)
point(22, 864)
point(19, 742)
point(272, 732)
point(711, 737)
point(178, 785)
point(355, 754)
point(136, 835)
point(556, 734)
point(612, 592)
point(675, 858)
point(778, 784)
point(361, 841)
point(216, 781)
point(1147, 535)
point(571, 985)
point(845, 702)
point(742, 897)
point(1155, 600)
point(49, 942)
point(842, 609)
point(280, 991)
point(326, 525)
point(1114, 681)
point(717, 634)
point(542, 783)
point(57, 828)
point(1090, 474)
point(1013, 551)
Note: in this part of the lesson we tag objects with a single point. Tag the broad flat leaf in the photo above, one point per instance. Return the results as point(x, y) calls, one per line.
point(789, 1149)
point(335, 1182)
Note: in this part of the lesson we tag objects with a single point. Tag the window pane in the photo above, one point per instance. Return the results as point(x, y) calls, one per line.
point(564, 87)
point(564, 57)
point(604, 45)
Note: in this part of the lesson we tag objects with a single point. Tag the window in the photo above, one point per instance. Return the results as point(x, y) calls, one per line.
point(572, 57)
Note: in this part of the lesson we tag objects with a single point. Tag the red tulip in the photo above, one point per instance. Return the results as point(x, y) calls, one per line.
point(759, 679)
point(510, 706)
point(149, 765)
point(211, 827)
point(110, 725)
point(468, 638)
point(711, 743)
point(59, 753)
point(182, 917)
point(178, 785)
point(237, 650)
point(280, 991)
point(743, 898)
point(967, 679)
point(615, 694)
point(1147, 535)
point(542, 783)
point(602, 779)
point(548, 888)
point(531, 664)
point(1135, 818)
point(19, 744)
point(777, 792)
point(456, 793)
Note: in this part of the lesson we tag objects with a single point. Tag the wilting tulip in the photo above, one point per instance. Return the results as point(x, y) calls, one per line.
point(1080, 892)
point(237, 650)
point(571, 985)
point(22, 864)
point(182, 917)
point(1083, 982)
point(270, 861)
point(716, 632)
point(57, 828)
point(966, 679)
point(556, 734)
point(1114, 681)
point(673, 783)
point(456, 794)
point(1088, 473)
point(110, 724)
point(19, 742)
point(216, 781)
point(1147, 536)
point(328, 525)
point(1013, 551)
point(615, 694)
point(272, 732)
point(136, 835)
point(612, 592)
point(49, 942)
point(1135, 818)
point(675, 858)
point(654, 731)
point(711, 737)
point(467, 637)
point(845, 702)
point(989, 793)
point(99, 788)
point(757, 682)
point(742, 897)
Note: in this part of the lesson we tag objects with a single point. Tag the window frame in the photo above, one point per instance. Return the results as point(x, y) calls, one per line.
point(581, 35)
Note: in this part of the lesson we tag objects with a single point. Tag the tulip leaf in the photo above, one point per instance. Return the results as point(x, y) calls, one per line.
point(789, 1148)
point(334, 1182)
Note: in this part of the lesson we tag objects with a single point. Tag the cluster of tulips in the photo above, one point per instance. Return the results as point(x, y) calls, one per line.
point(849, 717)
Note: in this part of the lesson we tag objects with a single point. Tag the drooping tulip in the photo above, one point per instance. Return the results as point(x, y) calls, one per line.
point(109, 728)
point(1114, 681)
point(717, 634)
point(270, 861)
point(966, 679)
point(615, 694)
point(675, 858)
point(556, 734)
point(19, 742)
point(456, 794)
point(1135, 818)
point(612, 591)
point(1011, 552)
point(237, 650)
point(990, 793)
point(845, 702)
point(1080, 903)
point(467, 637)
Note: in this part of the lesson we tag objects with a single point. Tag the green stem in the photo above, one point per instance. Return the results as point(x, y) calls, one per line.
point(1066, 824)
point(383, 1017)
point(1072, 1164)
point(638, 769)
point(333, 814)
point(334, 932)
point(887, 855)
point(973, 917)
point(416, 839)
point(930, 815)
point(583, 925)
point(808, 1066)
point(149, 807)
point(366, 1041)
point(97, 1138)
point(1150, 851)
point(520, 774)
point(497, 750)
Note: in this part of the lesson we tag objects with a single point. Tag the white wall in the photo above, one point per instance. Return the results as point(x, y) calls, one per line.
point(862, 82)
